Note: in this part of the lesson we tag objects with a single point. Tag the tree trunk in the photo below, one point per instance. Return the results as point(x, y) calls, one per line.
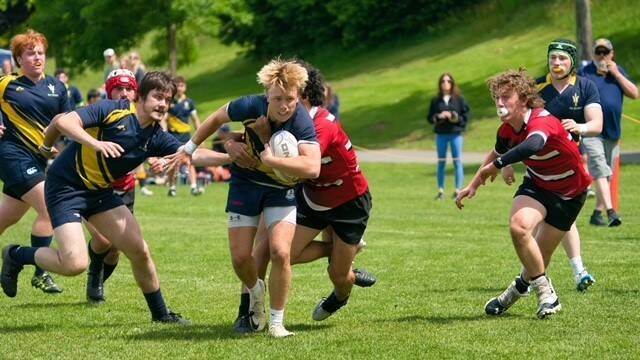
point(173, 49)
point(583, 27)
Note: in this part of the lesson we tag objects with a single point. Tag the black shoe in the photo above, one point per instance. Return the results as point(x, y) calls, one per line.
point(10, 271)
point(597, 219)
point(614, 219)
point(244, 324)
point(172, 318)
point(363, 278)
point(46, 283)
point(95, 287)
point(439, 197)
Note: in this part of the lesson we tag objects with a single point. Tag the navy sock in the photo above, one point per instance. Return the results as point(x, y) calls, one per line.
point(108, 270)
point(96, 263)
point(521, 285)
point(40, 241)
point(245, 298)
point(25, 255)
point(156, 304)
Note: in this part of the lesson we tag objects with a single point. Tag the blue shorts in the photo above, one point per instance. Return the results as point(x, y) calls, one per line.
point(182, 137)
point(248, 198)
point(20, 169)
point(67, 203)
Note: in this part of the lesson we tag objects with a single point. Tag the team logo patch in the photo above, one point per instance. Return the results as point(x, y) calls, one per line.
point(52, 89)
point(290, 195)
point(575, 99)
point(121, 128)
point(32, 170)
point(19, 89)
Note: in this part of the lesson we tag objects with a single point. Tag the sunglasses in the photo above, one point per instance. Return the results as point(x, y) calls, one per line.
point(602, 52)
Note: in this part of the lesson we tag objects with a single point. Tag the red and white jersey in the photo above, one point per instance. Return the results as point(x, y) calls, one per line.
point(558, 166)
point(125, 183)
point(340, 179)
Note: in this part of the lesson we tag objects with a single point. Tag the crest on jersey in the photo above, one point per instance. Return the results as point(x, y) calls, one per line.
point(575, 99)
point(52, 90)
point(19, 89)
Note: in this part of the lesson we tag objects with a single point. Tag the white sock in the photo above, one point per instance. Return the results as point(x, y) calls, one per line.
point(172, 187)
point(193, 186)
point(255, 290)
point(277, 316)
point(576, 265)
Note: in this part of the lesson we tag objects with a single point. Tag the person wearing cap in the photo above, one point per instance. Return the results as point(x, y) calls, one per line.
point(29, 102)
point(613, 84)
point(111, 62)
point(575, 101)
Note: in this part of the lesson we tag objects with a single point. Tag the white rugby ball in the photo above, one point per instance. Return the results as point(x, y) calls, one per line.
point(284, 144)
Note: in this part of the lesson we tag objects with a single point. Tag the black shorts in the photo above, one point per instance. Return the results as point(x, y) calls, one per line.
point(128, 197)
point(20, 169)
point(561, 213)
point(348, 220)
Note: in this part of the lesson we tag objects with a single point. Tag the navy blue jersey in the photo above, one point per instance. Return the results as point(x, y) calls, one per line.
point(571, 103)
point(28, 108)
point(180, 115)
point(247, 109)
point(115, 121)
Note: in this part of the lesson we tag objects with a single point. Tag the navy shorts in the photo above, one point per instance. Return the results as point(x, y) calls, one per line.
point(182, 137)
point(20, 169)
point(67, 203)
point(128, 197)
point(348, 220)
point(561, 213)
point(248, 198)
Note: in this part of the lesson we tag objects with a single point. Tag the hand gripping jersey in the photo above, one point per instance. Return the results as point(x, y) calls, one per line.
point(341, 179)
point(558, 166)
point(114, 121)
point(27, 107)
point(247, 109)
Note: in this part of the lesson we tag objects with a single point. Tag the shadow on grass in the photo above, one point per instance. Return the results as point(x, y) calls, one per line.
point(21, 329)
point(161, 332)
point(40, 305)
point(446, 320)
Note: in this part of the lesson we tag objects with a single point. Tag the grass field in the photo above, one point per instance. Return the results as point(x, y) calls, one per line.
point(436, 267)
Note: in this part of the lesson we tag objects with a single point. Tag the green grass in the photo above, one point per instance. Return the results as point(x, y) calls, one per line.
point(436, 267)
point(385, 90)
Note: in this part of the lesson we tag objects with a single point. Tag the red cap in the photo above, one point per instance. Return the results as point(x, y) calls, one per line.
point(120, 77)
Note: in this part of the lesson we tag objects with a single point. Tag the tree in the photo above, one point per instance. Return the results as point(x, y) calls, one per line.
point(583, 27)
point(13, 13)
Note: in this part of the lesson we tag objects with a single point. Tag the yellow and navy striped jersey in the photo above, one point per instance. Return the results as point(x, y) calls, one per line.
point(179, 117)
point(114, 121)
point(28, 107)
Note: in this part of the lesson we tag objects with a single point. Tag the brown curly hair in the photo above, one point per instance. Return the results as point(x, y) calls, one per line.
point(517, 81)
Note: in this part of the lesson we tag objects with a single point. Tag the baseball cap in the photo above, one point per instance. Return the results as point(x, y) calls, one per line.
point(109, 52)
point(602, 42)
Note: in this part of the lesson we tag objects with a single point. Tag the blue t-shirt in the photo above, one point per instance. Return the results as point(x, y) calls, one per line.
point(247, 109)
point(27, 108)
point(611, 98)
point(115, 121)
point(571, 103)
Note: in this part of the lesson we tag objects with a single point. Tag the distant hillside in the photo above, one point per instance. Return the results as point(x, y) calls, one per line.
point(384, 91)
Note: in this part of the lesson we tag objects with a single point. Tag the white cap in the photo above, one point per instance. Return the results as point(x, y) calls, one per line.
point(109, 52)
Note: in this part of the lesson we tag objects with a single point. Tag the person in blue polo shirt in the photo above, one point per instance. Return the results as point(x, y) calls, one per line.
point(613, 84)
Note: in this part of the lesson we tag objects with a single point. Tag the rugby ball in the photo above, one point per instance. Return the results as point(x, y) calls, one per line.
point(283, 144)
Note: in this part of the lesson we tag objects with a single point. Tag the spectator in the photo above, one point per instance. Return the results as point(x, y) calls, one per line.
point(7, 67)
point(449, 113)
point(111, 62)
point(331, 101)
point(613, 84)
point(136, 66)
point(93, 96)
point(74, 95)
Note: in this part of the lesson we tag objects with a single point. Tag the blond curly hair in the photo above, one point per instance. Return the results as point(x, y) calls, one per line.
point(517, 81)
point(286, 74)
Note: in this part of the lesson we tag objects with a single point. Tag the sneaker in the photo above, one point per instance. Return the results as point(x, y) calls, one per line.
point(172, 193)
point(614, 219)
point(597, 219)
point(172, 318)
point(498, 305)
point(363, 278)
point(244, 324)
point(327, 307)
point(439, 197)
point(278, 331)
point(10, 271)
point(584, 280)
point(454, 195)
point(548, 302)
point(45, 283)
point(95, 287)
point(146, 191)
point(591, 193)
point(256, 307)
point(197, 191)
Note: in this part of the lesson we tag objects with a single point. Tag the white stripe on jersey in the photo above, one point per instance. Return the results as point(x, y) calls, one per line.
point(561, 176)
point(547, 156)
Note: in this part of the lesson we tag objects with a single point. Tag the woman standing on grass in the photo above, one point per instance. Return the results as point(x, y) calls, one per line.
point(449, 113)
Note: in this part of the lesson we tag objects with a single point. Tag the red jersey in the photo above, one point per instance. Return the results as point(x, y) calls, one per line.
point(125, 183)
point(340, 179)
point(557, 167)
